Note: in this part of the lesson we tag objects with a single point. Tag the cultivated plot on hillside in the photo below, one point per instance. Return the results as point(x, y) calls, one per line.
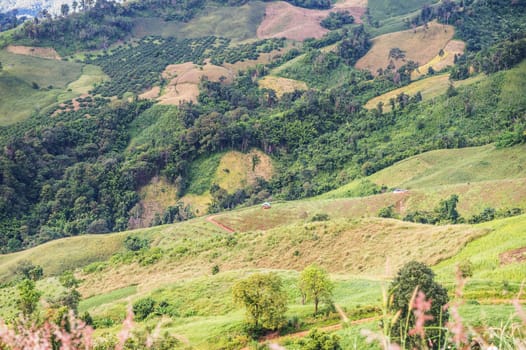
point(420, 45)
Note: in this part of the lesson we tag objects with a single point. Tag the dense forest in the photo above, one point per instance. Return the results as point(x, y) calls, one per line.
point(65, 172)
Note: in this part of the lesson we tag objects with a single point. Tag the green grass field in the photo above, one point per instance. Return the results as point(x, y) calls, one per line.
point(381, 9)
point(237, 23)
point(448, 167)
point(20, 97)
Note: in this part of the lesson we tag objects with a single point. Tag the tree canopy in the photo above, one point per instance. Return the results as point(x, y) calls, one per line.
point(416, 277)
point(315, 285)
point(264, 298)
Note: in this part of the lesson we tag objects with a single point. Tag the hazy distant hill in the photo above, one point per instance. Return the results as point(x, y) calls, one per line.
point(32, 7)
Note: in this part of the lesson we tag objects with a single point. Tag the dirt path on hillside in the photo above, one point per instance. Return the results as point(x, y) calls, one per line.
point(275, 339)
point(211, 219)
point(343, 316)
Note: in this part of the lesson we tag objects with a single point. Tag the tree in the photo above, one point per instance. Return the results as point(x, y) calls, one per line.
point(264, 299)
point(447, 210)
point(315, 285)
point(416, 276)
point(29, 297)
point(64, 9)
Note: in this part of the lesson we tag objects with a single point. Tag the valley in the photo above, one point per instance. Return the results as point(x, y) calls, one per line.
point(180, 162)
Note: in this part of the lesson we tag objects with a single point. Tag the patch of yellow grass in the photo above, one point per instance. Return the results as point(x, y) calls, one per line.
point(237, 170)
point(429, 88)
point(281, 85)
point(420, 46)
point(156, 196)
point(340, 246)
point(199, 203)
point(454, 47)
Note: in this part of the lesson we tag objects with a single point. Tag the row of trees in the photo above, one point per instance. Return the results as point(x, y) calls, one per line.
point(265, 300)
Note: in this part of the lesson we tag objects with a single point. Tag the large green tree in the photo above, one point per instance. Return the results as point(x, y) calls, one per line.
point(264, 299)
point(416, 276)
point(315, 285)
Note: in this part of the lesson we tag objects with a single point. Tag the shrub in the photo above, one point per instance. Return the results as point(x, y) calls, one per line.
point(387, 212)
point(320, 217)
point(134, 243)
point(142, 308)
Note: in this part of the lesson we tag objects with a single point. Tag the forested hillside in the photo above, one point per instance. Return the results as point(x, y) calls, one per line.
point(69, 170)
point(333, 169)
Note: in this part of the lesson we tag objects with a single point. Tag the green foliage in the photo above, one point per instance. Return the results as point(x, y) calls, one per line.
point(311, 4)
point(465, 267)
point(320, 217)
point(139, 66)
point(264, 299)
point(446, 210)
point(415, 276)
point(317, 340)
point(68, 280)
point(28, 298)
point(27, 270)
point(382, 9)
point(387, 212)
point(315, 284)
point(336, 20)
point(354, 45)
point(136, 243)
point(142, 308)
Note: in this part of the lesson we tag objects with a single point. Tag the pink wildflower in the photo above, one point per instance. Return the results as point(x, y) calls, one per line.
point(126, 331)
point(420, 307)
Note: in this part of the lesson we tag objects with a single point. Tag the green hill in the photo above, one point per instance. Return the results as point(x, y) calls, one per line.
point(447, 167)
point(155, 202)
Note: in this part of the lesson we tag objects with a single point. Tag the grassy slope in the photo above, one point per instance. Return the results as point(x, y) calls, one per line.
point(448, 167)
point(382, 9)
point(430, 88)
point(203, 301)
point(420, 46)
point(238, 23)
point(19, 72)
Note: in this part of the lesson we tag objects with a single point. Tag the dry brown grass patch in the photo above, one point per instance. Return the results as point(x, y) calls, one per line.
point(184, 81)
point(285, 20)
point(156, 196)
point(453, 47)
point(281, 85)
point(513, 256)
point(420, 46)
point(42, 52)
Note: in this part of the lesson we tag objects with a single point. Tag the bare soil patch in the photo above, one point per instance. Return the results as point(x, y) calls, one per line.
point(285, 20)
point(420, 45)
point(184, 81)
point(513, 256)
point(151, 94)
point(42, 52)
